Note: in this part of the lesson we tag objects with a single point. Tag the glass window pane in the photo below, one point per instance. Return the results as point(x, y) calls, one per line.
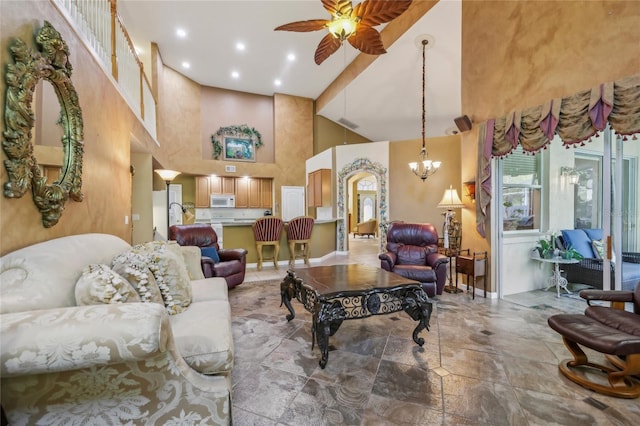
point(521, 192)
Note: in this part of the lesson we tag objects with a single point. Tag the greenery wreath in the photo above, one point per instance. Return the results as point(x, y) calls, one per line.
point(241, 130)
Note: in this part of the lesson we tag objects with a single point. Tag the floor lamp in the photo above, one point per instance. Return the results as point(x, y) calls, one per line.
point(451, 200)
point(167, 176)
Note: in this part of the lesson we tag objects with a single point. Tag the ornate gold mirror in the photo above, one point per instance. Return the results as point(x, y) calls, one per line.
point(50, 63)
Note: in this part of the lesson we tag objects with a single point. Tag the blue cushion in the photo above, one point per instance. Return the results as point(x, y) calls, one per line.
point(210, 252)
point(579, 240)
point(594, 234)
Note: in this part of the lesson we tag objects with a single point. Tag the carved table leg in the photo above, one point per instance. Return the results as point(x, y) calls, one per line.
point(326, 323)
point(287, 292)
point(322, 337)
point(418, 307)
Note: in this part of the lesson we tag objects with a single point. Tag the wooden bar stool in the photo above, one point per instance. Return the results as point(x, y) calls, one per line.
point(299, 234)
point(267, 232)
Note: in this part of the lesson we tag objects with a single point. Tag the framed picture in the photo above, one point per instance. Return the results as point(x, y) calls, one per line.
point(239, 149)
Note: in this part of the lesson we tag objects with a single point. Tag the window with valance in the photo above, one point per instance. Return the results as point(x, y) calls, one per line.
point(574, 119)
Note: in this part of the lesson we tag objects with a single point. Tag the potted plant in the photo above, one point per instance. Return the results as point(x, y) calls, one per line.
point(571, 253)
point(545, 249)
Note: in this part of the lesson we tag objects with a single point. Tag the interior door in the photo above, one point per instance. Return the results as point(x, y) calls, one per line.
point(292, 202)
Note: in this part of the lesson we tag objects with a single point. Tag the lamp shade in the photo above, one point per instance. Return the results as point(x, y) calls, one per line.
point(167, 175)
point(450, 199)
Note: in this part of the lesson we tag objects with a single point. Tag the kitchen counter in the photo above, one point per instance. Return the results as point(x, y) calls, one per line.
point(239, 234)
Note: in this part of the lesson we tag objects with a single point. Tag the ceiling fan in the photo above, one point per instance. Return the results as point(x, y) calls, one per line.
point(354, 24)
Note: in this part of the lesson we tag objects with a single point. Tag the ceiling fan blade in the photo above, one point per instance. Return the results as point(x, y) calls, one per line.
point(375, 12)
point(367, 40)
point(304, 26)
point(327, 47)
point(338, 7)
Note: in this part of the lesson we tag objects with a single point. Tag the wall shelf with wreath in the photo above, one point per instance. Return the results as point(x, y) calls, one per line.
point(236, 143)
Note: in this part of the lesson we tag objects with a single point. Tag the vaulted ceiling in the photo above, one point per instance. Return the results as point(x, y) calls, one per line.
point(383, 100)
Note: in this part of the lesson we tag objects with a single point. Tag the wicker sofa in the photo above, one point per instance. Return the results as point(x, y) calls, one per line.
point(68, 362)
point(589, 270)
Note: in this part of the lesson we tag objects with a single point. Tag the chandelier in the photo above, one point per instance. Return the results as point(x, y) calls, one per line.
point(423, 168)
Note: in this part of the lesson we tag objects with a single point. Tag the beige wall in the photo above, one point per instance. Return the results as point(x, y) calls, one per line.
point(142, 198)
point(412, 200)
point(328, 134)
point(224, 108)
point(185, 128)
point(108, 126)
point(552, 49)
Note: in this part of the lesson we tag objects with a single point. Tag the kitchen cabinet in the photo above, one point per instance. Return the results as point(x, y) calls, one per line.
point(319, 188)
point(255, 198)
point(266, 190)
point(253, 193)
point(223, 185)
point(203, 191)
point(242, 193)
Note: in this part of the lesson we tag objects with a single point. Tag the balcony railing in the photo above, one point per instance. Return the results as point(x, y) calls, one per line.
point(100, 25)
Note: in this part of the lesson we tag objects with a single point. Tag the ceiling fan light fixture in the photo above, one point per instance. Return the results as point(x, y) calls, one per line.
point(354, 24)
point(342, 27)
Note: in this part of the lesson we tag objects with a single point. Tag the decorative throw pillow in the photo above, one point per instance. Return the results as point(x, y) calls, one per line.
point(599, 250)
point(100, 284)
point(211, 252)
point(133, 267)
point(170, 273)
point(192, 260)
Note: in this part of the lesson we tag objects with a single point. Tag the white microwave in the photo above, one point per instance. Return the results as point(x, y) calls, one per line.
point(218, 200)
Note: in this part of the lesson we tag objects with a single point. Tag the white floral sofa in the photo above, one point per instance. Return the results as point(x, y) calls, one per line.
point(122, 359)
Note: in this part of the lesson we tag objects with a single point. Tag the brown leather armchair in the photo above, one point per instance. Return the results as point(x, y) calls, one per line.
point(233, 262)
point(413, 253)
point(611, 330)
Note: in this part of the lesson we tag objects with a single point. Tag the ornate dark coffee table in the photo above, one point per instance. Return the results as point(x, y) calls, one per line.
point(342, 292)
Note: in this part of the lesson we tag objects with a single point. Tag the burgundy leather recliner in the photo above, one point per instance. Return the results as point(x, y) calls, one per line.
point(233, 262)
point(413, 253)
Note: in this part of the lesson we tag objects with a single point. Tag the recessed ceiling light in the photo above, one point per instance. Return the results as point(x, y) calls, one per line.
point(277, 82)
point(186, 65)
point(181, 33)
point(240, 46)
point(291, 57)
point(235, 74)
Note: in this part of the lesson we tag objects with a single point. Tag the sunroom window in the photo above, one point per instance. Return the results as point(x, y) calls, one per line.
point(521, 191)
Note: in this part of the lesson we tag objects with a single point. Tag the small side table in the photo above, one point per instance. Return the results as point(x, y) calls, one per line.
point(451, 253)
point(556, 279)
point(474, 265)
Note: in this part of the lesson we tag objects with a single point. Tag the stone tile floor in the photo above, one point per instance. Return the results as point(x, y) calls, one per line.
point(485, 362)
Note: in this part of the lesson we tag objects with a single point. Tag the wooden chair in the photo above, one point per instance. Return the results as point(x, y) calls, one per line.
point(299, 234)
point(267, 232)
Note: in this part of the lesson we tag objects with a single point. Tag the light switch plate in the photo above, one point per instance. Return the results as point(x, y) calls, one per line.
point(230, 169)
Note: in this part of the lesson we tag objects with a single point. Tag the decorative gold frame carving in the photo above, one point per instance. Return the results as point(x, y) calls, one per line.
point(50, 63)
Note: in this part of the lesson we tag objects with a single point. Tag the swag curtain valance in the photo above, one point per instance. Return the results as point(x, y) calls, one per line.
point(575, 119)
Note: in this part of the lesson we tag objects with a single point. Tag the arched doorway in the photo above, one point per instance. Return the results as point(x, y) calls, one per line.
point(360, 165)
